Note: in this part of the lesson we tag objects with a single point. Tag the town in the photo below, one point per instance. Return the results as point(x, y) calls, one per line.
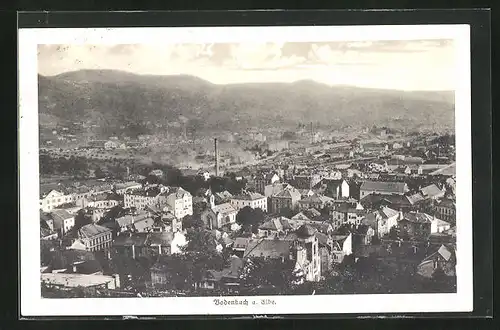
point(305, 211)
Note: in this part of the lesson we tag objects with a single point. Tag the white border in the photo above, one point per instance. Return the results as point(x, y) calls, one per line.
point(33, 305)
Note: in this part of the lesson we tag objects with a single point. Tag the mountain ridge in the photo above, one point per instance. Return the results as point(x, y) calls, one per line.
point(116, 100)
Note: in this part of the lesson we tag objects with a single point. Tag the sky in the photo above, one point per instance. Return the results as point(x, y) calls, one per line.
point(401, 65)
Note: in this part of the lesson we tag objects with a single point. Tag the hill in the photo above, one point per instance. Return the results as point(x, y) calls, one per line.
point(119, 102)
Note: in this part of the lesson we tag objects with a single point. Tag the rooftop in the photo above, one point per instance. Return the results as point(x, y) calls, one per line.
point(91, 230)
point(224, 208)
point(269, 248)
point(249, 196)
point(75, 280)
point(389, 187)
point(276, 224)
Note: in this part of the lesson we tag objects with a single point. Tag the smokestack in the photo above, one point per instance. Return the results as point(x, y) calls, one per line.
point(216, 157)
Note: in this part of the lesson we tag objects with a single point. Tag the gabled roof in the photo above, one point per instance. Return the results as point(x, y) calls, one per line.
point(127, 185)
point(323, 239)
point(431, 191)
point(137, 239)
point(389, 187)
point(241, 242)
point(143, 225)
point(91, 230)
point(316, 198)
point(276, 224)
point(224, 208)
point(249, 196)
point(270, 248)
point(306, 231)
point(449, 170)
point(415, 198)
point(60, 215)
point(387, 212)
point(178, 192)
point(223, 195)
point(288, 193)
point(418, 217)
point(160, 239)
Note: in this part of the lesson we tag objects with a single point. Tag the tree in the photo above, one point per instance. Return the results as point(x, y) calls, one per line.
point(250, 218)
point(81, 219)
point(192, 222)
point(274, 275)
point(200, 240)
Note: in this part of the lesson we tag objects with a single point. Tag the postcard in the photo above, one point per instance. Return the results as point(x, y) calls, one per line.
point(245, 170)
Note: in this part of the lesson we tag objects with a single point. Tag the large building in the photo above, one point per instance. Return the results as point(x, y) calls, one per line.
point(285, 200)
point(94, 237)
point(383, 188)
point(180, 202)
point(250, 199)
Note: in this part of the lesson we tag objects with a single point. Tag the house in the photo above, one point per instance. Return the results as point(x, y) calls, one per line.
point(416, 224)
point(342, 247)
point(265, 179)
point(140, 199)
point(382, 220)
point(63, 221)
point(275, 188)
point(275, 227)
point(432, 192)
point(363, 235)
point(228, 278)
point(306, 248)
point(306, 181)
point(136, 245)
point(333, 249)
point(98, 201)
point(239, 245)
point(52, 199)
point(127, 221)
point(122, 188)
point(444, 259)
point(306, 193)
point(222, 197)
point(251, 199)
point(180, 202)
point(144, 225)
point(383, 188)
point(346, 214)
point(94, 237)
point(316, 201)
point(308, 216)
point(445, 209)
point(46, 228)
point(285, 200)
point(395, 202)
point(217, 216)
point(439, 226)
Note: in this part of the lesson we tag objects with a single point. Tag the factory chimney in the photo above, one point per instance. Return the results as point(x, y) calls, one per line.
point(216, 158)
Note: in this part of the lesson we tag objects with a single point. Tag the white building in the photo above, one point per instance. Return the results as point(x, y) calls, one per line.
point(180, 202)
point(251, 199)
point(53, 199)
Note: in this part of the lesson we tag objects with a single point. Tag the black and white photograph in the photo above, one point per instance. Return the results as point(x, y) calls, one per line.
point(270, 170)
